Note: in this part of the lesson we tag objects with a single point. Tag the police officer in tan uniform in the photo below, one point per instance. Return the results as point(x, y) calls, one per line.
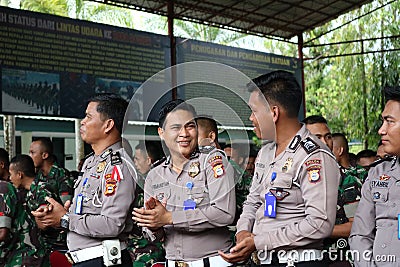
point(99, 219)
point(374, 237)
point(291, 206)
point(190, 197)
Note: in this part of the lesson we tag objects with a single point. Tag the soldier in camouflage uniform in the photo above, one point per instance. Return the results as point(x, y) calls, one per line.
point(142, 251)
point(48, 171)
point(34, 245)
point(8, 211)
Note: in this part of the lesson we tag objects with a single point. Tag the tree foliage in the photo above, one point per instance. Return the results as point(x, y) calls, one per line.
point(347, 90)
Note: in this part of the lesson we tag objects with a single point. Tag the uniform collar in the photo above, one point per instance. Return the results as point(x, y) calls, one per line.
point(295, 143)
point(195, 154)
point(106, 152)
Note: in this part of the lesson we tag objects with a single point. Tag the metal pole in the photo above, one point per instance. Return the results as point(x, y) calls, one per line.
point(79, 146)
point(301, 57)
point(9, 134)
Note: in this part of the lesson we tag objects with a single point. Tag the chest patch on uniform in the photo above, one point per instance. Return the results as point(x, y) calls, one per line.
point(309, 145)
point(379, 184)
point(101, 166)
point(288, 165)
point(314, 174)
point(279, 193)
point(260, 165)
point(194, 169)
point(160, 185)
point(217, 166)
point(377, 195)
point(384, 177)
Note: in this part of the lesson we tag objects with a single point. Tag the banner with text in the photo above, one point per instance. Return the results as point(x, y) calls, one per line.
point(51, 65)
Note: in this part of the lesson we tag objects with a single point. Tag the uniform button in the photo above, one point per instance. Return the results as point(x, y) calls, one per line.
point(393, 204)
point(383, 245)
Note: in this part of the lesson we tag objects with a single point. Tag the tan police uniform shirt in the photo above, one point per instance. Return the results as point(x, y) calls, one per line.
point(306, 186)
point(374, 234)
point(108, 189)
point(198, 233)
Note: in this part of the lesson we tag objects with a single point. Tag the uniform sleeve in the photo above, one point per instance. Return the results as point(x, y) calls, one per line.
point(363, 230)
point(66, 187)
point(319, 180)
point(250, 207)
point(221, 191)
point(115, 207)
point(8, 199)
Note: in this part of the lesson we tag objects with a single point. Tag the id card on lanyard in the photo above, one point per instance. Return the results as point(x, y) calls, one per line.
point(79, 199)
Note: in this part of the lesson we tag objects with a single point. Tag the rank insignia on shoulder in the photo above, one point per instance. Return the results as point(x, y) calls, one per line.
point(115, 158)
point(101, 166)
point(295, 142)
point(206, 149)
point(194, 169)
point(314, 174)
point(105, 153)
point(309, 145)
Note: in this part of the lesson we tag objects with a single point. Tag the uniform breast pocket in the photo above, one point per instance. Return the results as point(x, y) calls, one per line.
point(163, 194)
point(380, 196)
point(200, 195)
point(284, 189)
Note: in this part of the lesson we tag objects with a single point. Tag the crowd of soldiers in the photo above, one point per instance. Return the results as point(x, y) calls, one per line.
point(186, 202)
point(43, 96)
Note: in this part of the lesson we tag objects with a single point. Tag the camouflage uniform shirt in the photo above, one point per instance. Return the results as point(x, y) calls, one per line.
point(8, 210)
point(60, 181)
point(143, 252)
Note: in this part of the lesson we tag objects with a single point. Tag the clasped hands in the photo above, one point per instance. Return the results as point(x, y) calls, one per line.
point(153, 216)
point(50, 215)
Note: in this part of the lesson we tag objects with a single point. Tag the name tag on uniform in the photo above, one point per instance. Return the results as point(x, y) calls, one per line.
point(270, 205)
point(79, 202)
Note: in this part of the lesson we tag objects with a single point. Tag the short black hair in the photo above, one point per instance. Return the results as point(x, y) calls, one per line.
point(343, 139)
point(46, 144)
point(5, 157)
point(366, 153)
point(281, 87)
point(314, 119)
point(153, 149)
point(24, 163)
point(111, 106)
point(174, 105)
point(392, 93)
point(209, 124)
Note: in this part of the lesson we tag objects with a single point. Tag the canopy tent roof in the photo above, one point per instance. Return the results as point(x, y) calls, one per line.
point(274, 18)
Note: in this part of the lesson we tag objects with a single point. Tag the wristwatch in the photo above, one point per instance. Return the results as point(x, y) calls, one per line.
point(64, 221)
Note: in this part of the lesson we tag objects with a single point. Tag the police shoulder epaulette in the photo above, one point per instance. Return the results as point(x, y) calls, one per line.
point(158, 162)
point(309, 145)
point(206, 149)
point(379, 161)
point(116, 158)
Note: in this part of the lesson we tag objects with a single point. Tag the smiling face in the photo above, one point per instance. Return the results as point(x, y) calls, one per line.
point(261, 117)
point(179, 133)
point(390, 129)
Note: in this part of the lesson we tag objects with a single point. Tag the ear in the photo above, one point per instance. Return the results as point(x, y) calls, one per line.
point(2, 164)
point(341, 149)
point(160, 133)
point(109, 125)
point(275, 112)
point(212, 136)
point(45, 155)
